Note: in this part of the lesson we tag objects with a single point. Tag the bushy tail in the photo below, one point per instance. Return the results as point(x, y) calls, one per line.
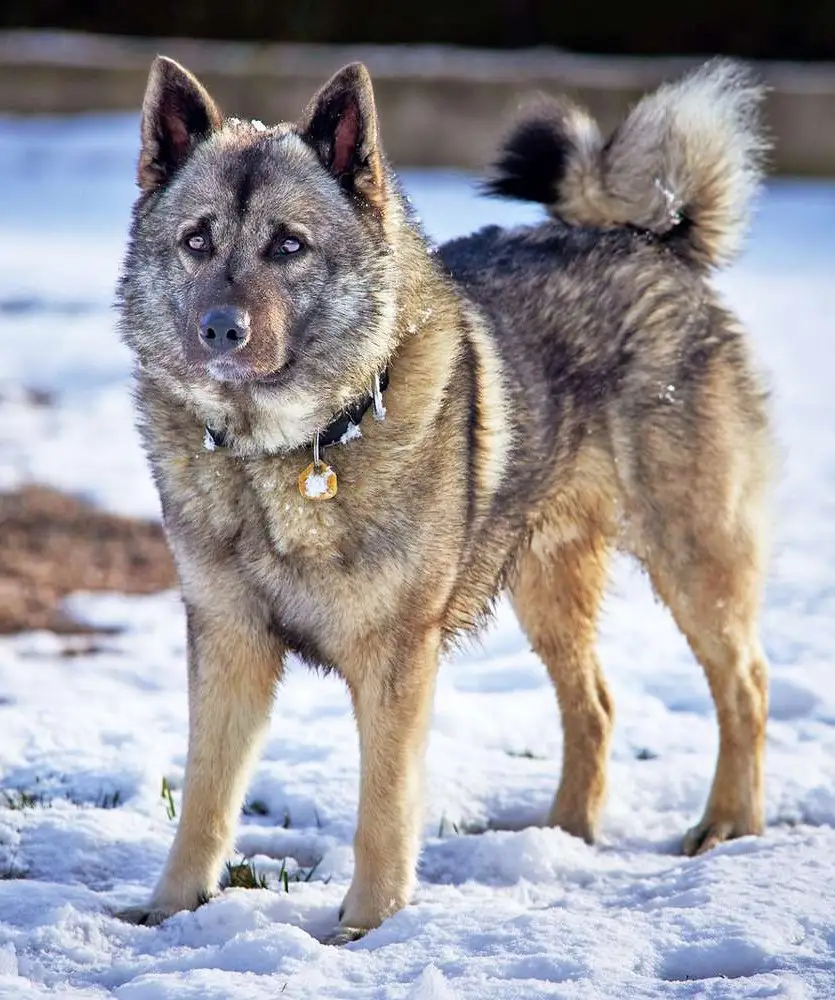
point(685, 162)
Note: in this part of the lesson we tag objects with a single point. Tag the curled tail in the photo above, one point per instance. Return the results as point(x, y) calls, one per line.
point(685, 163)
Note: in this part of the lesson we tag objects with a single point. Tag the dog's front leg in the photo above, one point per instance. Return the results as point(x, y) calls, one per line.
point(393, 704)
point(233, 668)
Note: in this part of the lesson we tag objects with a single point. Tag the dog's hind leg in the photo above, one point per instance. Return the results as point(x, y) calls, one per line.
point(233, 668)
point(556, 592)
point(714, 597)
point(701, 519)
point(393, 704)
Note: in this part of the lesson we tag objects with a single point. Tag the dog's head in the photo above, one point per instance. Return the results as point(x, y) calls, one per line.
point(259, 271)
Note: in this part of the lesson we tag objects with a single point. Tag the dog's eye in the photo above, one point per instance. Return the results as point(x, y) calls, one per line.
point(196, 242)
point(287, 245)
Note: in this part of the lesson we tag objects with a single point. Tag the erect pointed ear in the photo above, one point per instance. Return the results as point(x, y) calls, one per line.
point(177, 113)
point(340, 123)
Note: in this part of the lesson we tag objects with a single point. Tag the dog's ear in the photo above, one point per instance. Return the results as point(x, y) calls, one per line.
point(177, 113)
point(340, 123)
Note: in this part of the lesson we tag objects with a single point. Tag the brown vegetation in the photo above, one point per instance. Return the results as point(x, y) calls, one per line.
point(52, 544)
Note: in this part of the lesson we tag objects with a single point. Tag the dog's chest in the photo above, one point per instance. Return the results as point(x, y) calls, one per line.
point(295, 525)
point(258, 505)
point(327, 572)
point(323, 577)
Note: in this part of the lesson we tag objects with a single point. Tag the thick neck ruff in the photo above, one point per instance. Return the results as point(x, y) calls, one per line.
point(344, 427)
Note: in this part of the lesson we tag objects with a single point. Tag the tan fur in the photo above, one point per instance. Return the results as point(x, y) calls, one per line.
point(233, 670)
point(393, 709)
point(495, 437)
point(707, 564)
point(556, 595)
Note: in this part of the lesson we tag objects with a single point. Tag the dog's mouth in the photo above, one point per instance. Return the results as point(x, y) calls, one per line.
point(233, 373)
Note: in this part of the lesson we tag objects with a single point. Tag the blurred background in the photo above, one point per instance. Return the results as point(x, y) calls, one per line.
point(447, 74)
point(766, 29)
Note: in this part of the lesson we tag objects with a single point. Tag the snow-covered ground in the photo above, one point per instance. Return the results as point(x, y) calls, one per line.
point(502, 914)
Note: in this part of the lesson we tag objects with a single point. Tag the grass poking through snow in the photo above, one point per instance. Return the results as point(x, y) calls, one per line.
point(244, 875)
point(19, 799)
point(168, 799)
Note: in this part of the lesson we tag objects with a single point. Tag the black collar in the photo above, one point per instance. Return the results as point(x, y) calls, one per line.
point(334, 433)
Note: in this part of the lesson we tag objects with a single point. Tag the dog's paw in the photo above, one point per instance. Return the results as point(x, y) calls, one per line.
point(144, 916)
point(345, 935)
point(709, 833)
point(576, 822)
point(156, 912)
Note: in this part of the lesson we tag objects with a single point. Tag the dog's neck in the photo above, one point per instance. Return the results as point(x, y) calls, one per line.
point(344, 427)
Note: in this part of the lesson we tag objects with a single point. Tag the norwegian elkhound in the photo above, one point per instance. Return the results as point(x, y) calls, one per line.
point(359, 443)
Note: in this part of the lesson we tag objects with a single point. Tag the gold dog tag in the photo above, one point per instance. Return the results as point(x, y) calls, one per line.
point(317, 481)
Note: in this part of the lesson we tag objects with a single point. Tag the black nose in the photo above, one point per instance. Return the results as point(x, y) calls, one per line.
point(224, 329)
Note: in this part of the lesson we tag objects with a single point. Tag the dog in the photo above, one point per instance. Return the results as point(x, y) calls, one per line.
point(360, 441)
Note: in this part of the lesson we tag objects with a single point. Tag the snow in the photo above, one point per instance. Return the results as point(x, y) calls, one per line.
point(319, 482)
point(352, 433)
point(501, 911)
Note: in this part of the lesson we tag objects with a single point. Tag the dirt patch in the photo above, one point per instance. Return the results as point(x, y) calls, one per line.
point(52, 544)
